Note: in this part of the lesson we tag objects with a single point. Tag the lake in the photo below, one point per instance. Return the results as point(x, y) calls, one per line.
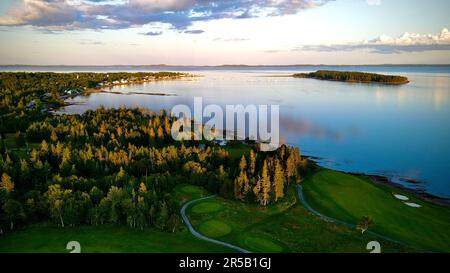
point(402, 132)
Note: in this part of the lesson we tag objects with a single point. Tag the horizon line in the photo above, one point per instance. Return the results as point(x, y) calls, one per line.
point(221, 65)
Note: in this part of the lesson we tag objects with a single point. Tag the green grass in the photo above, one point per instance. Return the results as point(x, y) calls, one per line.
point(236, 150)
point(10, 143)
point(206, 207)
point(214, 228)
point(348, 198)
point(262, 245)
point(284, 227)
point(109, 238)
point(184, 192)
point(103, 239)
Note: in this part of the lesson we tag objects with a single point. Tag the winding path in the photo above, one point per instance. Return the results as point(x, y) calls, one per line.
point(200, 236)
point(302, 199)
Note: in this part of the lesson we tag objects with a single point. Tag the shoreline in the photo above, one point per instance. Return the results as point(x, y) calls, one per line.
point(384, 180)
point(354, 81)
point(333, 80)
point(101, 91)
point(377, 179)
point(350, 81)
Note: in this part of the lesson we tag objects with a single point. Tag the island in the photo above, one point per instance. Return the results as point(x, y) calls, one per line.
point(350, 76)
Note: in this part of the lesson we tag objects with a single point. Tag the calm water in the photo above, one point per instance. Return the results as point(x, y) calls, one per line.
point(399, 131)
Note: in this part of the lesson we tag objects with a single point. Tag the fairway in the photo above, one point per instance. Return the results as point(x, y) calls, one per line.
point(262, 245)
point(184, 192)
point(348, 198)
point(104, 239)
point(214, 228)
point(189, 189)
point(284, 227)
point(206, 207)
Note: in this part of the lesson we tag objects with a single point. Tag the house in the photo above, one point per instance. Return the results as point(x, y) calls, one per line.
point(222, 143)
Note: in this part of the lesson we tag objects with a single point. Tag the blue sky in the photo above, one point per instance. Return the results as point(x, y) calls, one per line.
point(199, 32)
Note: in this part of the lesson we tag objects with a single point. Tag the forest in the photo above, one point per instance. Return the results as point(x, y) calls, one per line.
point(26, 97)
point(353, 77)
point(118, 166)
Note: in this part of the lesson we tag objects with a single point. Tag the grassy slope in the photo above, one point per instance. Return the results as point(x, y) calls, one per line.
point(285, 227)
point(103, 239)
point(109, 238)
point(236, 150)
point(348, 198)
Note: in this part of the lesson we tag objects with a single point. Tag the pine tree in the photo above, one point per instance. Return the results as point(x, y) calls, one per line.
point(160, 133)
point(278, 181)
point(252, 163)
point(265, 185)
point(257, 191)
point(7, 184)
point(243, 164)
point(291, 168)
point(53, 136)
point(241, 185)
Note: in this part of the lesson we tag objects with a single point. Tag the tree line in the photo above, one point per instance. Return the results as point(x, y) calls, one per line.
point(353, 77)
point(25, 97)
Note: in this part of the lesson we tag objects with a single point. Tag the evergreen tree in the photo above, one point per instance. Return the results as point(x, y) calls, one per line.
point(265, 185)
point(278, 181)
point(13, 211)
point(6, 184)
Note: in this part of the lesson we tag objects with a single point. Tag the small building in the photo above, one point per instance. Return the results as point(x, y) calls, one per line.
point(222, 143)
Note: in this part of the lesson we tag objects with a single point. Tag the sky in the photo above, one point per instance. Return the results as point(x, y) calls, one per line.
point(202, 32)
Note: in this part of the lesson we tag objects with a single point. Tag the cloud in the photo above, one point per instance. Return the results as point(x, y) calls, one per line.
point(90, 42)
point(230, 39)
point(196, 31)
point(408, 42)
point(272, 51)
point(152, 33)
point(120, 14)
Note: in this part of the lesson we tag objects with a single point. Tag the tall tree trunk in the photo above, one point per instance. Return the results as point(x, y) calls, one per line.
point(62, 221)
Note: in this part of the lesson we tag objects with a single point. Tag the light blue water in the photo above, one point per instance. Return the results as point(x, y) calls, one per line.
point(402, 132)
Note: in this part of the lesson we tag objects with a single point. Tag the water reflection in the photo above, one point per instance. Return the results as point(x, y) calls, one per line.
point(399, 131)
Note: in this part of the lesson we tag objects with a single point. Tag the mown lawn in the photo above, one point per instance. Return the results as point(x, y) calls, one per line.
point(236, 150)
point(285, 227)
point(103, 239)
point(348, 198)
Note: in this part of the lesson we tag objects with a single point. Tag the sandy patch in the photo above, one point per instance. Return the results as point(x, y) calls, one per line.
point(413, 205)
point(401, 197)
